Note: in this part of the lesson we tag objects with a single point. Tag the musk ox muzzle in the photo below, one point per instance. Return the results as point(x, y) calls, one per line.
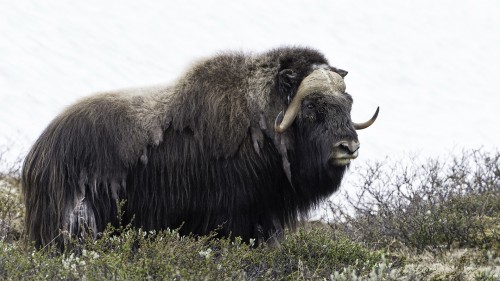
point(344, 152)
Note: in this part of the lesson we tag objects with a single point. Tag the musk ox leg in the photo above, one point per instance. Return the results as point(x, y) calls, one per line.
point(270, 232)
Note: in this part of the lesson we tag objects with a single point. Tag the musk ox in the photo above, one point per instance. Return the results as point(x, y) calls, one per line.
point(244, 144)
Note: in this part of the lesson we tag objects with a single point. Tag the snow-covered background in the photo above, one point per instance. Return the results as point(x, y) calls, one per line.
point(433, 67)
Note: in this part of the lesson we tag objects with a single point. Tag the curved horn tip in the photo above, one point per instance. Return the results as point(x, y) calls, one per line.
point(376, 113)
point(361, 126)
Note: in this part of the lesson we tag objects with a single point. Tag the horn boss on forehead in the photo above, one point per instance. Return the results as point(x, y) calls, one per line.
point(319, 81)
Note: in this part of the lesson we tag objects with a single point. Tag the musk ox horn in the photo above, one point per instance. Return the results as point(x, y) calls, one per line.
point(319, 81)
point(364, 125)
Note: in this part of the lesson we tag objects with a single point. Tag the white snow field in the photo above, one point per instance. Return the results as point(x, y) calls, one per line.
point(433, 67)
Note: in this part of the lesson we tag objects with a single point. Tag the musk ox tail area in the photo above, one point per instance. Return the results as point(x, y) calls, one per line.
point(76, 170)
point(67, 187)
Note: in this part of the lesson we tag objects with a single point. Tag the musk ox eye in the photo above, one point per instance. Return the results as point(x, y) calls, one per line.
point(309, 111)
point(309, 105)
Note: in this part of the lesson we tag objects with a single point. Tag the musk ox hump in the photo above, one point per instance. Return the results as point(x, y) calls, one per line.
point(216, 89)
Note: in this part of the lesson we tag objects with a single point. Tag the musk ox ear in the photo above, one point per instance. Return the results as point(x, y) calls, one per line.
point(340, 72)
point(287, 83)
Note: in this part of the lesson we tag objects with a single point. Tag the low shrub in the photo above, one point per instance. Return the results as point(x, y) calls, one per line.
point(164, 255)
point(432, 205)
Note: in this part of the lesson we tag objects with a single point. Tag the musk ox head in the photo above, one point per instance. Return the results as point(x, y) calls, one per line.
point(325, 138)
point(242, 144)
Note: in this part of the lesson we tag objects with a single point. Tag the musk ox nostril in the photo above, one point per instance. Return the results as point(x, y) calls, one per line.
point(349, 147)
point(343, 152)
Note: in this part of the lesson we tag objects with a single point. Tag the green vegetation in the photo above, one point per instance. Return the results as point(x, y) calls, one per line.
point(425, 220)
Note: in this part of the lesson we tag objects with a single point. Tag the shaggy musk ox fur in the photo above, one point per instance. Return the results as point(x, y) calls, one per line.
point(205, 153)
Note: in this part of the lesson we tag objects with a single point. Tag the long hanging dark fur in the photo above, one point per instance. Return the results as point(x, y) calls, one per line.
point(200, 154)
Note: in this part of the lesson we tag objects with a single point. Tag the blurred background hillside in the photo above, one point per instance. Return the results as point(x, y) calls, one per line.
point(432, 66)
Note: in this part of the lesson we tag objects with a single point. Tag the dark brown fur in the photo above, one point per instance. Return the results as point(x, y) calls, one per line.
point(200, 154)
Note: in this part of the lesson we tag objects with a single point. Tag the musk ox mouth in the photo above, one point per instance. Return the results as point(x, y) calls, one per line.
point(341, 161)
point(344, 152)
